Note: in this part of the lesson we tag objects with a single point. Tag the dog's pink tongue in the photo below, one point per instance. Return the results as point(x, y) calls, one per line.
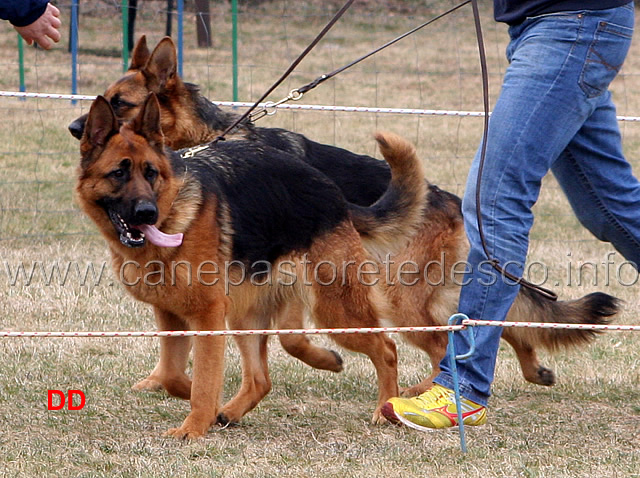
point(159, 238)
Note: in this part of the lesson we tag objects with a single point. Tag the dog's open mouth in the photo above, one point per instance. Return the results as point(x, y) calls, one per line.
point(129, 236)
point(136, 236)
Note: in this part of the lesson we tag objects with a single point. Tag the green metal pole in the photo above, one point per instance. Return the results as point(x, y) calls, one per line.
point(125, 34)
point(23, 87)
point(234, 46)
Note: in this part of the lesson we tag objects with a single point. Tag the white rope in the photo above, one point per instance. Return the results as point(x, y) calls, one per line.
point(539, 325)
point(358, 109)
point(51, 96)
point(363, 330)
point(347, 109)
point(213, 333)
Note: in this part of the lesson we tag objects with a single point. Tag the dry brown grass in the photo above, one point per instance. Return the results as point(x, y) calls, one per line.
point(312, 424)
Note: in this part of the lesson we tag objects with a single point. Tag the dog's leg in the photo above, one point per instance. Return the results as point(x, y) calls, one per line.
point(435, 344)
point(256, 383)
point(532, 370)
point(342, 297)
point(169, 373)
point(299, 346)
point(208, 374)
point(415, 305)
point(380, 349)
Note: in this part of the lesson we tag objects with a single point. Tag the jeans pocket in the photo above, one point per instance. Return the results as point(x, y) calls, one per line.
point(605, 57)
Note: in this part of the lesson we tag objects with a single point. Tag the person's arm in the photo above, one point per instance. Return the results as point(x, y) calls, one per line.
point(34, 20)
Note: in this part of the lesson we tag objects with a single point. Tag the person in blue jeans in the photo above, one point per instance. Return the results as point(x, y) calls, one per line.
point(554, 112)
point(35, 20)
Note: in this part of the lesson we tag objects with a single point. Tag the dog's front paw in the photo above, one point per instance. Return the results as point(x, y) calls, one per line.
point(378, 418)
point(186, 433)
point(148, 384)
point(194, 426)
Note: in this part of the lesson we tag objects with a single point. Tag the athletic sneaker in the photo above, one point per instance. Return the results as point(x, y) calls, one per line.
point(435, 408)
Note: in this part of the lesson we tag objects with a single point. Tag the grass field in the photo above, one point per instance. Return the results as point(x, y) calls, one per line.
point(312, 424)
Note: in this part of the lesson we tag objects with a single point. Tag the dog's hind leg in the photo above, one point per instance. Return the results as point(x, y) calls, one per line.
point(343, 299)
point(169, 373)
point(299, 346)
point(380, 349)
point(532, 370)
point(256, 382)
point(413, 305)
point(435, 344)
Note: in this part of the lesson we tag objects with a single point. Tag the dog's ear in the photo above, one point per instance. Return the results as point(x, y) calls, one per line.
point(161, 68)
point(100, 125)
point(140, 54)
point(147, 123)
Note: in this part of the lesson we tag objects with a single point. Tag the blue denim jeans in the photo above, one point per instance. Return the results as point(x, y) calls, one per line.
point(554, 112)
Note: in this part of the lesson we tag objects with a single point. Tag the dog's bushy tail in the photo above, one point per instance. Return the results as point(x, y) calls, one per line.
point(595, 308)
point(398, 212)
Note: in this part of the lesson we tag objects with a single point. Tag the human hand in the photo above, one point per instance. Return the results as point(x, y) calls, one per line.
point(44, 29)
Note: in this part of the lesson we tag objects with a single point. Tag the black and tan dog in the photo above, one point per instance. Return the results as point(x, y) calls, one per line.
point(189, 119)
point(234, 233)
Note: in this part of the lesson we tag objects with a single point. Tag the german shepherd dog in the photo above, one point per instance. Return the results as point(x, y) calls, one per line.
point(188, 119)
point(231, 209)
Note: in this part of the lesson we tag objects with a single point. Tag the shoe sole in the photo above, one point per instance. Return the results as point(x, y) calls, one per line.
point(389, 413)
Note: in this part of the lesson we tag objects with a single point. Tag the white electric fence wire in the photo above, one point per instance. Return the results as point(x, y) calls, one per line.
point(539, 325)
point(212, 333)
point(347, 109)
point(364, 330)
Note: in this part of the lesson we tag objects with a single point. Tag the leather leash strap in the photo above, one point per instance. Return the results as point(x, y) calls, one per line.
point(483, 151)
point(324, 31)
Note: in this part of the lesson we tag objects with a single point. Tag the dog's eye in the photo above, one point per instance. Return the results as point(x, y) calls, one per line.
point(150, 174)
point(122, 171)
point(119, 105)
point(117, 173)
point(115, 101)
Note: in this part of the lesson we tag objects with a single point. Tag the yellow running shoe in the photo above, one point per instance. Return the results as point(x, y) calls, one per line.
point(435, 408)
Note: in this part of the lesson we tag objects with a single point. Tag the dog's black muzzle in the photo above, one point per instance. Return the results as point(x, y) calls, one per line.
point(76, 128)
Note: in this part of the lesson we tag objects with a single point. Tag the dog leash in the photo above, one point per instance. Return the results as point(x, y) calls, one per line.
point(295, 63)
point(483, 152)
point(297, 93)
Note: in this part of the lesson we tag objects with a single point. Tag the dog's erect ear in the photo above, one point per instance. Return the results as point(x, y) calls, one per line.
point(161, 67)
point(147, 123)
point(100, 126)
point(140, 54)
point(101, 123)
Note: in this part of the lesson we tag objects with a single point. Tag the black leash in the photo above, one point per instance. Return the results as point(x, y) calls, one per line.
point(324, 78)
point(324, 31)
point(483, 150)
point(297, 93)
